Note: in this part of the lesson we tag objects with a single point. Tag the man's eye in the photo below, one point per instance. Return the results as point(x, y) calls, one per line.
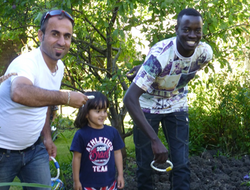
point(185, 30)
point(67, 37)
point(198, 31)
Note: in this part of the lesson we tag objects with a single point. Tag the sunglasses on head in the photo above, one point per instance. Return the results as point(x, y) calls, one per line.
point(57, 13)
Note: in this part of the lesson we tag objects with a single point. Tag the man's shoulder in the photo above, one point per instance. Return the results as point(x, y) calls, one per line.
point(203, 47)
point(165, 42)
point(34, 51)
point(30, 55)
point(162, 46)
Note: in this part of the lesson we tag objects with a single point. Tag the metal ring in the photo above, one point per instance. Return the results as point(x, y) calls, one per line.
point(162, 170)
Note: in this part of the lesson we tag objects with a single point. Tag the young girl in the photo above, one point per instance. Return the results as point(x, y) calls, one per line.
point(96, 148)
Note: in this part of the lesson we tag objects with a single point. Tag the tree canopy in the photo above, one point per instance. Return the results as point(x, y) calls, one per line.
point(105, 47)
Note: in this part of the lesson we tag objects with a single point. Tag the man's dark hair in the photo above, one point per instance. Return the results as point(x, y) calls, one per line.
point(43, 23)
point(188, 11)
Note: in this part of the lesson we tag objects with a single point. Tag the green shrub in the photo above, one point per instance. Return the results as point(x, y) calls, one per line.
point(219, 113)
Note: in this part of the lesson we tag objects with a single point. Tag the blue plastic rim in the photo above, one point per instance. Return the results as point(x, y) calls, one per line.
point(57, 168)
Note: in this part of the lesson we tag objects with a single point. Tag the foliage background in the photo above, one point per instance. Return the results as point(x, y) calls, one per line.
point(105, 47)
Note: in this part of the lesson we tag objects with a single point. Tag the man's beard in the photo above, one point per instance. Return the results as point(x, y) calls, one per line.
point(58, 54)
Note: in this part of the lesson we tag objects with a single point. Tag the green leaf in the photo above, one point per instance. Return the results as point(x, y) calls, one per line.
point(206, 69)
point(68, 3)
point(38, 18)
point(48, 4)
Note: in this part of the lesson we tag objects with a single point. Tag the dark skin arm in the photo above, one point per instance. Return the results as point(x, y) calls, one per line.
point(132, 73)
point(131, 101)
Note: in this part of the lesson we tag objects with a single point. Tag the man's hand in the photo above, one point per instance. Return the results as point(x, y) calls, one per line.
point(4, 77)
point(76, 99)
point(50, 147)
point(132, 73)
point(160, 151)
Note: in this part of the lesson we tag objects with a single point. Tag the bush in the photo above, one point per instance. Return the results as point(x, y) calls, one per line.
point(220, 113)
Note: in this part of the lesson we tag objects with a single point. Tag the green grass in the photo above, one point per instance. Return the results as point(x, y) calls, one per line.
point(63, 143)
point(15, 187)
point(130, 147)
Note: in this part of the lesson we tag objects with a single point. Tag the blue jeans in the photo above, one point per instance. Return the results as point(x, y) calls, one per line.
point(31, 166)
point(176, 129)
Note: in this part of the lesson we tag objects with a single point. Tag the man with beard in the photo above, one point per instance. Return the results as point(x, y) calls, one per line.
point(158, 94)
point(25, 136)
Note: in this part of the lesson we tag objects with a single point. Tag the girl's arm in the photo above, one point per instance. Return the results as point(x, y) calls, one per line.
point(76, 170)
point(119, 166)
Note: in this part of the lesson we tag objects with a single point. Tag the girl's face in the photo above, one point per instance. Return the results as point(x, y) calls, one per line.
point(96, 117)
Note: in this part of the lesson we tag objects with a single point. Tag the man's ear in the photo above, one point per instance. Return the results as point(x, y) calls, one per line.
point(40, 35)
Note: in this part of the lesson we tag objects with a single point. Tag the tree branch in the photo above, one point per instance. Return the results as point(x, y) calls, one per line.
point(98, 31)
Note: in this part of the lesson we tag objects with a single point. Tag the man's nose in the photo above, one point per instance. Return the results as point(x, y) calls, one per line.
point(192, 34)
point(61, 41)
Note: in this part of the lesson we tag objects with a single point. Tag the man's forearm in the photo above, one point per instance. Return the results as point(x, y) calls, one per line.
point(33, 96)
point(131, 101)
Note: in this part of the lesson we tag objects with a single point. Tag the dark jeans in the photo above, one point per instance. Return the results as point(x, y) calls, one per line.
point(30, 166)
point(176, 129)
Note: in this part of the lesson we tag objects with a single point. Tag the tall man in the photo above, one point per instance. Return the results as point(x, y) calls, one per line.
point(158, 94)
point(25, 100)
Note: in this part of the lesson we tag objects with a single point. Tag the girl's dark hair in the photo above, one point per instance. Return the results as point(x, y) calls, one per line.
point(99, 102)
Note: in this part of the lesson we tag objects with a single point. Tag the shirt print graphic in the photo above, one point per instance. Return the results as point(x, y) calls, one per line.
point(165, 74)
point(99, 153)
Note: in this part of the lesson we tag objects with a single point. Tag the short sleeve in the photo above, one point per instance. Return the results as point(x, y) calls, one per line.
point(118, 142)
point(77, 142)
point(150, 69)
point(25, 68)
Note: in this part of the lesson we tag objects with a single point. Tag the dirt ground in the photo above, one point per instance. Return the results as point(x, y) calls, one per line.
point(208, 172)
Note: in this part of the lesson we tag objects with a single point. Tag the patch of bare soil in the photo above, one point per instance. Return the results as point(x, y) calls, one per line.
point(208, 172)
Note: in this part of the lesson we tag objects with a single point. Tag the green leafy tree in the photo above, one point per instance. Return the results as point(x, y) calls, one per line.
point(104, 46)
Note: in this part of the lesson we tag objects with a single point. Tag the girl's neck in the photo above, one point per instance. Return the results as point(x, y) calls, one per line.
point(95, 127)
